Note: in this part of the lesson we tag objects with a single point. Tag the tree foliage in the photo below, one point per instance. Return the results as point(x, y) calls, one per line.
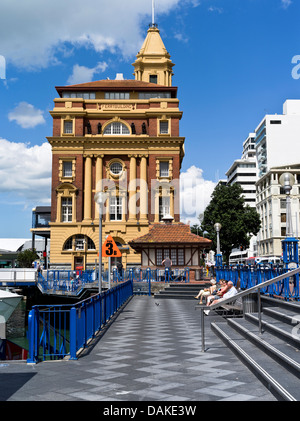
point(26, 258)
point(239, 222)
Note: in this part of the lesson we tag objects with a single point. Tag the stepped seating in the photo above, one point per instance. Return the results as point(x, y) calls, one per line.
point(272, 356)
point(185, 291)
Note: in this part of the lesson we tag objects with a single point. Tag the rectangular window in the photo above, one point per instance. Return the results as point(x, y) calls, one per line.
point(180, 257)
point(68, 127)
point(164, 127)
point(164, 169)
point(115, 209)
point(283, 203)
point(149, 95)
point(66, 205)
point(275, 121)
point(164, 206)
point(174, 256)
point(117, 95)
point(153, 78)
point(84, 95)
point(159, 256)
point(67, 169)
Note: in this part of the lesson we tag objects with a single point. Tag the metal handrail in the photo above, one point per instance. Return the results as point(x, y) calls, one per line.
point(255, 288)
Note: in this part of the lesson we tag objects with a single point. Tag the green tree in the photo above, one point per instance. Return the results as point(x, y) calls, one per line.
point(26, 257)
point(239, 222)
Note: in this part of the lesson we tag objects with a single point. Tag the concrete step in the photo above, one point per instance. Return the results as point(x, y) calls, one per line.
point(277, 328)
point(283, 383)
point(180, 291)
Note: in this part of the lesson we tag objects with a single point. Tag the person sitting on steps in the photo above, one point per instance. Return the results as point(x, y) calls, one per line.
point(231, 292)
point(206, 291)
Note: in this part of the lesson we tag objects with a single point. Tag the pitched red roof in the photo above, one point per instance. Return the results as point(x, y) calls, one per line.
point(161, 233)
point(116, 85)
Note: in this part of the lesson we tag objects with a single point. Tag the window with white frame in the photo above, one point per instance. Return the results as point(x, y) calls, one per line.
point(68, 126)
point(115, 208)
point(116, 128)
point(164, 206)
point(164, 168)
point(67, 169)
point(66, 209)
point(164, 127)
point(80, 242)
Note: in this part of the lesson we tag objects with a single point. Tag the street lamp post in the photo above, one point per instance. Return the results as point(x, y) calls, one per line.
point(100, 198)
point(290, 243)
point(218, 227)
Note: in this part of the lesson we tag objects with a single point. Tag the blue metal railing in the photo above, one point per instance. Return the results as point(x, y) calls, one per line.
point(250, 276)
point(73, 282)
point(153, 275)
point(55, 331)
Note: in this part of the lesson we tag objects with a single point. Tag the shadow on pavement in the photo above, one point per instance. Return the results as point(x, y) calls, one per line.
point(12, 382)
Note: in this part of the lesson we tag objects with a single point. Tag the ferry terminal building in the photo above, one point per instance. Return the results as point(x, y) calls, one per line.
point(121, 137)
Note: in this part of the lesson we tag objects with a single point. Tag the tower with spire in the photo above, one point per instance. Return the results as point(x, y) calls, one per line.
point(121, 137)
point(153, 63)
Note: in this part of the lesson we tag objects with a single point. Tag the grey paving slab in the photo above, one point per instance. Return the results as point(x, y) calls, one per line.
point(149, 353)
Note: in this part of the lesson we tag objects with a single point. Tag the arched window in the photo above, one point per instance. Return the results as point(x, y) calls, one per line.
point(116, 128)
point(79, 242)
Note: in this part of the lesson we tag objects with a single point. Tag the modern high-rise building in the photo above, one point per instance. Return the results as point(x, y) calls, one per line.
point(244, 172)
point(277, 138)
point(121, 137)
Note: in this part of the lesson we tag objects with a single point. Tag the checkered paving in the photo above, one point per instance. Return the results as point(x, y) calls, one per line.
point(151, 352)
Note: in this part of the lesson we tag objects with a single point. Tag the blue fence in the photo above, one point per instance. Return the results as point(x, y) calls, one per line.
point(69, 281)
point(55, 331)
point(249, 276)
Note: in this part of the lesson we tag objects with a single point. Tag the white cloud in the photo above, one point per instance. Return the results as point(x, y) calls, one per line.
point(82, 74)
point(25, 171)
point(195, 194)
point(33, 31)
point(286, 3)
point(26, 116)
point(215, 9)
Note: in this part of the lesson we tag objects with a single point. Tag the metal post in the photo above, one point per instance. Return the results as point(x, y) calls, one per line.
point(259, 311)
point(202, 330)
point(73, 333)
point(100, 249)
point(109, 270)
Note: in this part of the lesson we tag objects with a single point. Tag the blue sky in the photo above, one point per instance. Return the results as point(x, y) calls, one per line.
point(233, 65)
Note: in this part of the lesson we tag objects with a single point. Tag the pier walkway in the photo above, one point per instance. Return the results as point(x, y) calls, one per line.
point(150, 352)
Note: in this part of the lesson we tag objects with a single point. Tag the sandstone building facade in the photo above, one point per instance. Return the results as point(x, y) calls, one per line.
point(121, 137)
